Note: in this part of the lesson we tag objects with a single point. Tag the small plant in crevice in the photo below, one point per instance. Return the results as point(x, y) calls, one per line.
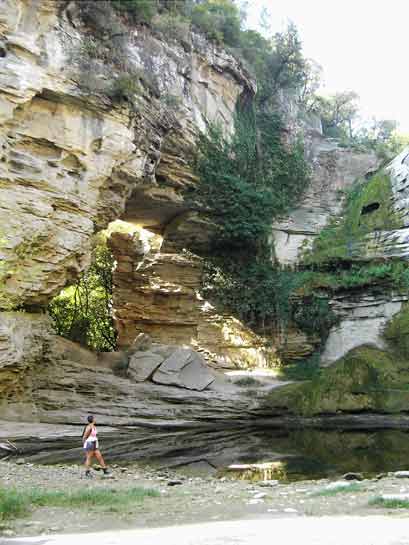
point(247, 381)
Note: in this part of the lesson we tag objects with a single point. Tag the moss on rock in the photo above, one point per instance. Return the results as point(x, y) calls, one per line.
point(366, 379)
point(397, 332)
point(368, 208)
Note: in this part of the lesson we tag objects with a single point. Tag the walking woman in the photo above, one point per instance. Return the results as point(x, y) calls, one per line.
point(91, 447)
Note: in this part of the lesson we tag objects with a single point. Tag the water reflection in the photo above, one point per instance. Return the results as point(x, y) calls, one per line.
point(241, 453)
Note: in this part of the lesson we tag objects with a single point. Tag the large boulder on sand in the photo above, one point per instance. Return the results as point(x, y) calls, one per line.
point(184, 368)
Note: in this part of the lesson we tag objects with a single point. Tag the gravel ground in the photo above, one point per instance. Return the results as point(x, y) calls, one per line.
point(195, 499)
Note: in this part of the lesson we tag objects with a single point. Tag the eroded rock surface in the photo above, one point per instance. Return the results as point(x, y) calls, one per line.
point(334, 170)
point(157, 291)
point(71, 161)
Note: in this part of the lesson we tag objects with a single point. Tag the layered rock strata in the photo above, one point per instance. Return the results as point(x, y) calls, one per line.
point(71, 161)
point(158, 292)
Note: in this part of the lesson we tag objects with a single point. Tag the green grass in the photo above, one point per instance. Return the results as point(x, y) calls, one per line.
point(14, 503)
point(337, 490)
point(389, 504)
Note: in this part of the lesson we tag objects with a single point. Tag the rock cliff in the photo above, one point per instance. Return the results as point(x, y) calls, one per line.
point(72, 160)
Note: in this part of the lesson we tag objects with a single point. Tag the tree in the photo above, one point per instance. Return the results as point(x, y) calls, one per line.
point(219, 19)
point(83, 311)
point(265, 21)
point(285, 65)
point(310, 84)
point(338, 113)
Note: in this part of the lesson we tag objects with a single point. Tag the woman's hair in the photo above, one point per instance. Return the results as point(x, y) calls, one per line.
point(90, 419)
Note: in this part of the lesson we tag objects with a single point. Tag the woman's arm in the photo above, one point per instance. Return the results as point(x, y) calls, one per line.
point(86, 433)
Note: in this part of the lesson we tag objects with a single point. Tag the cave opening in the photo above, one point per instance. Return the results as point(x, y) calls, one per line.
point(369, 208)
point(83, 311)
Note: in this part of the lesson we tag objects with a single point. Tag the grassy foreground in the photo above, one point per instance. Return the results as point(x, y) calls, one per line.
point(15, 503)
point(390, 503)
point(328, 492)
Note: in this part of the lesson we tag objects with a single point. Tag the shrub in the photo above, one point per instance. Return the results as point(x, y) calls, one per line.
point(140, 10)
point(83, 312)
point(172, 26)
point(245, 183)
point(173, 102)
point(249, 180)
point(219, 20)
point(124, 87)
point(247, 381)
point(397, 332)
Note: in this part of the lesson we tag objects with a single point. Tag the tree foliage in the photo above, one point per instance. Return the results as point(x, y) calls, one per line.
point(338, 113)
point(219, 19)
point(83, 311)
point(250, 179)
point(246, 182)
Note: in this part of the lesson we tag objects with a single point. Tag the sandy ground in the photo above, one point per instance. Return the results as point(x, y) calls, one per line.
point(285, 531)
point(198, 499)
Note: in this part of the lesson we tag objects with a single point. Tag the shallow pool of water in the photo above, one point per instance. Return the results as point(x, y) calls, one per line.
point(242, 453)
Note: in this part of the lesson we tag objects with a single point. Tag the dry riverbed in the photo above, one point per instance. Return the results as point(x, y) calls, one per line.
point(179, 498)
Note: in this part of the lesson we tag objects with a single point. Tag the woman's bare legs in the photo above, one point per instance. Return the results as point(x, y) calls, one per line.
point(89, 455)
point(100, 459)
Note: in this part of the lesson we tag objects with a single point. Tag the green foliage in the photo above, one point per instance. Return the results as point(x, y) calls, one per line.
point(397, 332)
point(389, 503)
point(366, 379)
point(13, 504)
point(393, 273)
point(336, 490)
point(305, 370)
point(285, 66)
point(382, 137)
point(219, 19)
point(124, 87)
point(17, 503)
point(249, 180)
point(173, 26)
point(140, 10)
point(90, 497)
point(313, 314)
point(338, 113)
point(83, 312)
point(245, 183)
point(367, 209)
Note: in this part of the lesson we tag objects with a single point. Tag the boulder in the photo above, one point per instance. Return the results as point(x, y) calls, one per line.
point(401, 474)
point(185, 368)
point(141, 342)
point(143, 364)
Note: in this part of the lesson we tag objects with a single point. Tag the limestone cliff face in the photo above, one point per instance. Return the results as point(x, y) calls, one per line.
point(157, 291)
point(72, 161)
point(334, 170)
